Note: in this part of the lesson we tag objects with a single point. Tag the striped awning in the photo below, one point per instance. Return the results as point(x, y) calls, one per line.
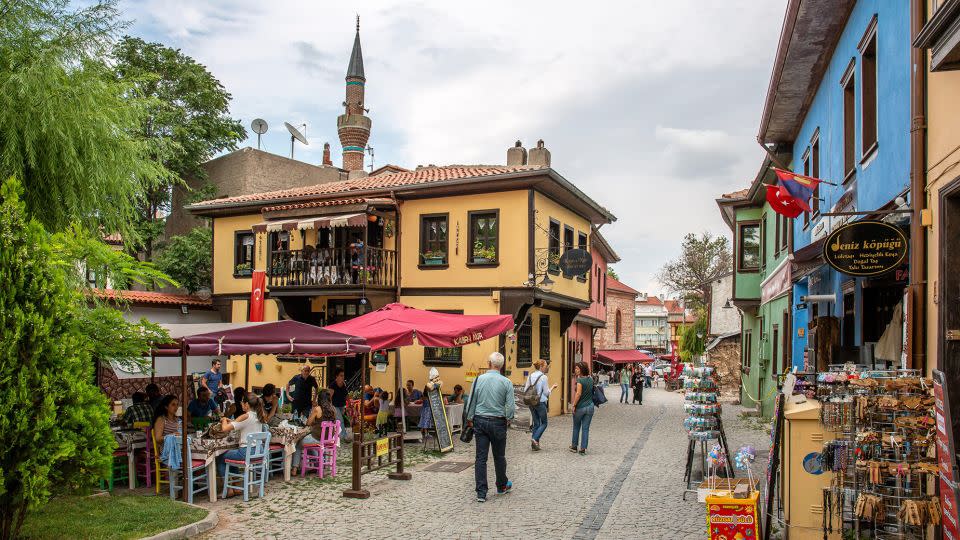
point(317, 222)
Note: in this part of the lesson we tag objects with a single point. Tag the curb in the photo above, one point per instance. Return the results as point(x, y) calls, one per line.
point(191, 530)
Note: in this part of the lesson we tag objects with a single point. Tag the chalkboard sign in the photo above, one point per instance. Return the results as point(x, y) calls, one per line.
point(773, 463)
point(440, 421)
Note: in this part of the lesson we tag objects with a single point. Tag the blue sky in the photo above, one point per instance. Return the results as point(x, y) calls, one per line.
point(650, 107)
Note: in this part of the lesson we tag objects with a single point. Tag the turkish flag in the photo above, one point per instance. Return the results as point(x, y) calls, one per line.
point(256, 296)
point(782, 202)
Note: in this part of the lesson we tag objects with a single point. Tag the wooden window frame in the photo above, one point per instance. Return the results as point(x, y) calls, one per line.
point(746, 360)
point(869, 113)
point(237, 236)
point(424, 218)
point(567, 247)
point(471, 237)
point(450, 360)
point(806, 172)
point(849, 125)
point(543, 346)
point(525, 326)
point(740, 227)
point(582, 245)
point(554, 246)
point(617, 323)
point(815, 172)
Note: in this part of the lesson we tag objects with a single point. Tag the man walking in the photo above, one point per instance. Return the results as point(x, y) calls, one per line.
point(211, 381)
point(648, 375)
point(489, 411)
point(301, 389)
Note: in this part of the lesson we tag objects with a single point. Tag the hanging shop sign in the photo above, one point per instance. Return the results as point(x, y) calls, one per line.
point(575, 262)
point(865, 248)
point(777, 283)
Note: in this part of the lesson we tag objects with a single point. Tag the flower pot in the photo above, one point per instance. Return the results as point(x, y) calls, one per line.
point(433, 261)
point(482, 260)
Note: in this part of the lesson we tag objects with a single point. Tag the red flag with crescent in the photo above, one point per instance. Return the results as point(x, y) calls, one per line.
point(782, 202)
point(256, 296)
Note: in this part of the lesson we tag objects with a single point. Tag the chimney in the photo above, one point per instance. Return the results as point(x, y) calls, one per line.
point(539, 156)
point(517, 155)
point(326, 154)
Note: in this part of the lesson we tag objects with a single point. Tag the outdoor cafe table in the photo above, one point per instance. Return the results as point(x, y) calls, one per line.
point(130, 440)
point(208, 449)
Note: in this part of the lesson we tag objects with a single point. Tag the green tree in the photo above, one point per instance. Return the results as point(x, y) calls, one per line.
point(612, 273)
point(54, 422)
point(691, 345)
point(702, 259)
point(69, 126)
point(187, 259)
point(187, 122)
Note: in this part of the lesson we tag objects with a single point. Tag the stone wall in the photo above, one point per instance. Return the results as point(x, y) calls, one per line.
point(606, 337)
point(726, 358)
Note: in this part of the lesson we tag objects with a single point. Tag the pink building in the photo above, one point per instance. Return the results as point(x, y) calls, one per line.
point(580, 335)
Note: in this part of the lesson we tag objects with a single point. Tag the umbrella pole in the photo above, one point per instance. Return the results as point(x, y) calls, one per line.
point(183, 419)
point(356, 490)
point(400, 474)
point(246, 373)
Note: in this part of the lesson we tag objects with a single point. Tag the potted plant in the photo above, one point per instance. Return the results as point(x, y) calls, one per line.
point(483, 254)
point(554, 259)
point(434, 258)
point(242, 269)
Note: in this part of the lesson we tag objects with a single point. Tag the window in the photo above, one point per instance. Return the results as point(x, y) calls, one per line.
point(525, 344)
point(553, 244)
point(545, 337)
point(617, 321)
point(775, 357)
point(776, 236)
point(806, 172)
point(243, 243)
point(567, 244)
point(763, 241)
point(815, 172)
point(433, 240)
point(849, 106)
point(868, 89)
point(784, 232)
point(447, 356)
point(582, 244)
point(484, 237)
point(279, 243)
point(748, 247)
point(747, 349)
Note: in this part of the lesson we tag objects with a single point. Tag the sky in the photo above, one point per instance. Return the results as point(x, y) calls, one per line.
point(650, 107)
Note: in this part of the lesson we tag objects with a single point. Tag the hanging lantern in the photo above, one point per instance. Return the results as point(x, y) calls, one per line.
point(371, 218)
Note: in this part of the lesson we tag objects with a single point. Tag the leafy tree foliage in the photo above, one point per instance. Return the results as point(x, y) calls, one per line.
point(187, 122)
point(69, 126)
point(691, 346)
point(612, 273)
point(702, 259)
point(187, 259)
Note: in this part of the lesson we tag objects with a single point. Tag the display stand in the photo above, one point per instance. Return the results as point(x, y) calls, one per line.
point(703, 424)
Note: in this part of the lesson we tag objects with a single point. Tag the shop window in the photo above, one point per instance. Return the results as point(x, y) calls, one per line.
point(567, 244)
point(617, 321)
point(748, 247)
point(525, 344)
point(553, 247)
point(582, 244)
point(433, 240)
point(447, 356)
point(849, 123)
point(545, 337)
point(484, 237)
point(868, 90)
point(243, 250)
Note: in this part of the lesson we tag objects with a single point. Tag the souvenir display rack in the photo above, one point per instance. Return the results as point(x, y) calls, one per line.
point(882, 453)
point(703, 422)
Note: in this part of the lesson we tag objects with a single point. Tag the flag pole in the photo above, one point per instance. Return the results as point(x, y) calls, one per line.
point(822, 181)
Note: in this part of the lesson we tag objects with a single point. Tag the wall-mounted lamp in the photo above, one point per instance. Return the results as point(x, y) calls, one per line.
point(184, 309)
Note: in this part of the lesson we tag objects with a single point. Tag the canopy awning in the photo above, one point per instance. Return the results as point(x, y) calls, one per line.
point(279, 337)
point(396, 325)
point(356, 219)
point(623, 356)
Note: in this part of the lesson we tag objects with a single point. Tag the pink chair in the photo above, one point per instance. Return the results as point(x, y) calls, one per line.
point(144, 459)
point(321, 456)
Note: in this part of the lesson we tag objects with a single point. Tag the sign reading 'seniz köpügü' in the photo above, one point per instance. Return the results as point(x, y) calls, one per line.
point(865, 248)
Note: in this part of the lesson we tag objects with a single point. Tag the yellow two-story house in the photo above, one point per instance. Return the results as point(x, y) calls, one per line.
point(460, 239)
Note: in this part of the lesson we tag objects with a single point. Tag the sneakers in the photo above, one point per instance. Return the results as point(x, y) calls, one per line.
point(573, 449)
point(583, 451)
point(506, 489)
point(534, 445)
point(481, 499)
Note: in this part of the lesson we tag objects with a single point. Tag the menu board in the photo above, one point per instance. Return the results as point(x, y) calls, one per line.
point(945, 460)
point(440, 421)
point(773, 463)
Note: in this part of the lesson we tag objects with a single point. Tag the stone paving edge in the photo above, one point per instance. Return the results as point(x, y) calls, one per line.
point(190, 530)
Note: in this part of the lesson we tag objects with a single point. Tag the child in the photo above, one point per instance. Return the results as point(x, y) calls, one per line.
point(426, 415)
point(384, 414)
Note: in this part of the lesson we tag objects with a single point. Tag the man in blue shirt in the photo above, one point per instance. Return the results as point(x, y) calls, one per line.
point(211, 380)
point(489, 411)
point(202, 406)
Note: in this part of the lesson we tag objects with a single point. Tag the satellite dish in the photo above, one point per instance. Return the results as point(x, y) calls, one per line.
point(259, 126)
point(295, 135)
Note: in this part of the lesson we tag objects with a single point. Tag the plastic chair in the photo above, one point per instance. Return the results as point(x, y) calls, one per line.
point(329, 439)
point(144, 460)
point(158, 466)
point(250, 471)
point(195, 482)
point(311, 459)
point(275, 462)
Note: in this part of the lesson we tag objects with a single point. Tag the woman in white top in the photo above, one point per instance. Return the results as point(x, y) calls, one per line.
point(248, 422)
point(538, 414)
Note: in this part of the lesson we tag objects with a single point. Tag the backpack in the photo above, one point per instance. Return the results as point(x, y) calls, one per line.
point(531, 398)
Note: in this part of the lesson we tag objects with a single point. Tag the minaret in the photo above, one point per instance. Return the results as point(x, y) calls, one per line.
point(352, 126)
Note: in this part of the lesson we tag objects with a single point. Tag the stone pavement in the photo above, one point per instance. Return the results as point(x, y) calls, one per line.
point(629, 485)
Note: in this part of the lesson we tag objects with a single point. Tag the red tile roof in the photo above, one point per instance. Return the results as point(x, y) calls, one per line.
point(673, 306)
point(652, 300)
point(318, 204)
point(423, 175)
point(151, 297)
point(739, 194)
point(614, 285)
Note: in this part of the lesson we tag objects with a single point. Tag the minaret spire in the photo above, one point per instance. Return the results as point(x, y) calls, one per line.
point(353, 126)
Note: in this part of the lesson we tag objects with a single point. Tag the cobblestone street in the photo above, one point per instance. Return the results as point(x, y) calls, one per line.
point(628, 486)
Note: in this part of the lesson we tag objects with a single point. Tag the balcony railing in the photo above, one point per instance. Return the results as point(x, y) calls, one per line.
point(333, 268)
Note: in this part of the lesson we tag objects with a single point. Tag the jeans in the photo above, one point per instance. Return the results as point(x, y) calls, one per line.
point(490, 433)
point(236, 453)
point(309, 439)
point(624, 392)
point(581, 424)
point(646, 381)
point(538, 415)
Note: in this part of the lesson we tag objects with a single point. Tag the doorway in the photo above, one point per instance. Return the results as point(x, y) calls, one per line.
point(948, 353)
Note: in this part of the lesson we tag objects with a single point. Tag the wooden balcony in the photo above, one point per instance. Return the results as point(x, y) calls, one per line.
point(333, 268)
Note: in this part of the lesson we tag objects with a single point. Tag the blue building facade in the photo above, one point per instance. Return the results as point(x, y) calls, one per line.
point(868, 75)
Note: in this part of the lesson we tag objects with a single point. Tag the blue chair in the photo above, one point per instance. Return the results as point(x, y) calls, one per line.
point(197, 479)
point(252, 470)
point(277, 453)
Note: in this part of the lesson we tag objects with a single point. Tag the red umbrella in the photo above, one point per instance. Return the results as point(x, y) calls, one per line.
point(396, 325)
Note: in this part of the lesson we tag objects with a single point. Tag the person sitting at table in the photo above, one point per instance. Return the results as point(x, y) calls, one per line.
point(153, 395)
point(165, 422)
point(140, 411)
point(371, 405)
point(235, 410)
point(248, 422)
point(203, 405)
point(271, 402)
point(410, 394)
point(457, 396)
point(323, 412)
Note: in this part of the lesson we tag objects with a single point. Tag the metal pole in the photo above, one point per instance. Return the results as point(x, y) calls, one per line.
point(246, 373)
point(356, 490)
point(183, 420)
point(153, 365)
point(400, 474)
point(916, 315)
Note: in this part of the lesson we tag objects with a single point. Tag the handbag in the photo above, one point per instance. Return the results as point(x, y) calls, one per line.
point(466, 431)
point(599, 398)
